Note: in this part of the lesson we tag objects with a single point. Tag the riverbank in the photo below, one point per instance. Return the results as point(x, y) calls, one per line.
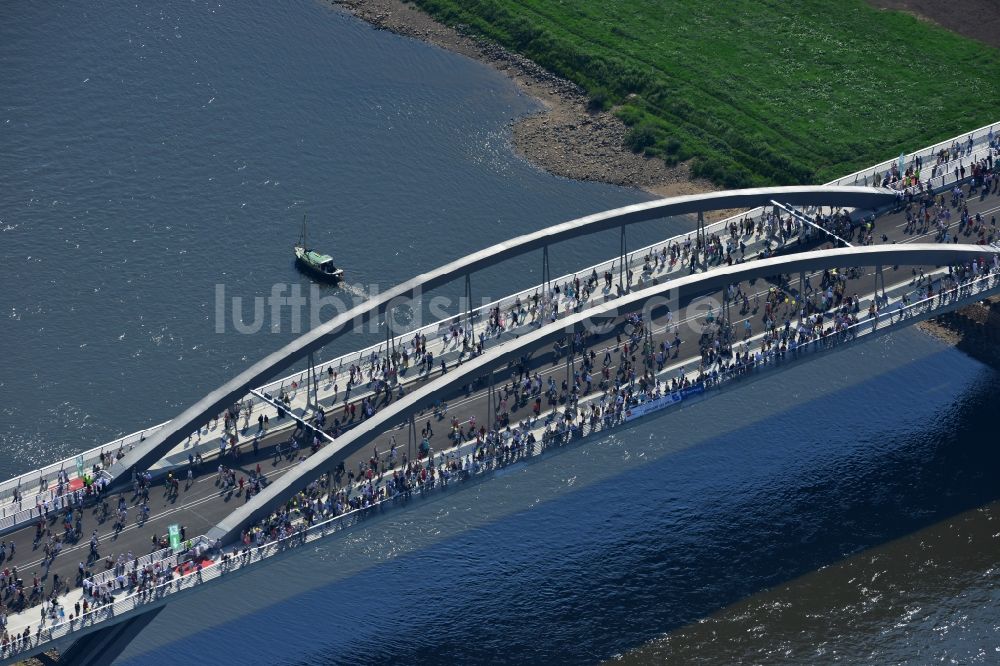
point(566, 139)
point(569, 140)
point(974, 330)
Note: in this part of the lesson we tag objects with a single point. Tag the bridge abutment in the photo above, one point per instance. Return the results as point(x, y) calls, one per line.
point(102, 647)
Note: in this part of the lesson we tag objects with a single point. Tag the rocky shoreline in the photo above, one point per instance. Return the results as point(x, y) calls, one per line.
point(565, 139)
point(974, 329)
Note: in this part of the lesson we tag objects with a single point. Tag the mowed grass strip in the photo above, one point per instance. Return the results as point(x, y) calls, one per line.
point(754, 93)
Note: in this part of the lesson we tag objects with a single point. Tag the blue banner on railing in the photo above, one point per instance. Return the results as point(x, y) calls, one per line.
point(653, 405)
point(692, 390)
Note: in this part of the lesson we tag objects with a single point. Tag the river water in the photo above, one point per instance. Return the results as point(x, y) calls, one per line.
point(844, 509)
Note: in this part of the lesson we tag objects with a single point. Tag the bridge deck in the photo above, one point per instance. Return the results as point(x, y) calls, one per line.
point(201, 505)
point(33, 491)
point(985, 285)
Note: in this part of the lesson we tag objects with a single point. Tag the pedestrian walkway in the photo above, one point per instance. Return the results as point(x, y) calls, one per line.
point(651, 377)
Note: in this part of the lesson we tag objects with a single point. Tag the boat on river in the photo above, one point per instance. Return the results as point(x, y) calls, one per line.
point(315, 264)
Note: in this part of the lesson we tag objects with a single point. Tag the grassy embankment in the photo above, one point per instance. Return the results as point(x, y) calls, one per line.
point(753, 92)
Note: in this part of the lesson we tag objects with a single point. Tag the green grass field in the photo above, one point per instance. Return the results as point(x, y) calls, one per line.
point(756, 92)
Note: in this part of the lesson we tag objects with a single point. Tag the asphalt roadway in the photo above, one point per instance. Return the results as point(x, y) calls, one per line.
point(201, 504)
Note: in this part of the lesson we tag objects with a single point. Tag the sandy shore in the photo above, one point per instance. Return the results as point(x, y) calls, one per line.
point(565, 139)
point(568, 140)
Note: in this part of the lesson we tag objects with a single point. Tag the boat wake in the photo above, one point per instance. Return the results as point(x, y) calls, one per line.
point(356, 290)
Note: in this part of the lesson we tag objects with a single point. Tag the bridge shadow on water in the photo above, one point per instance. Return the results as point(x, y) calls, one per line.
point(594, 563)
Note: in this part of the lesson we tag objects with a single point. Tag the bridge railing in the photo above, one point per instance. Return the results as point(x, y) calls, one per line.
point(959, 295)
point(946, 177)
point(40, 484)
point(167, 557)
point(979, 138)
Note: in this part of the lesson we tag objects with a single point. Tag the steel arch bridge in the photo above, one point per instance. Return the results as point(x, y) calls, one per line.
point(100, 643)
point(279, 491)
point(176, 431)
